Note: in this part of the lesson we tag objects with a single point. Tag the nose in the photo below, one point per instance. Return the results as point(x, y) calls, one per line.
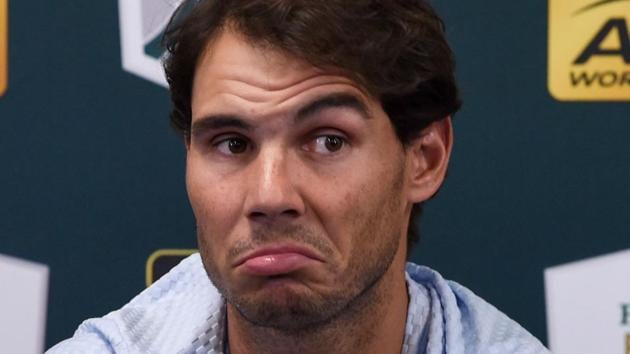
point(272, 193)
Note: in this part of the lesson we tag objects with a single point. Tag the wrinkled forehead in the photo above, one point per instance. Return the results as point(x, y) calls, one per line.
point(232, 69)
point(229, 53)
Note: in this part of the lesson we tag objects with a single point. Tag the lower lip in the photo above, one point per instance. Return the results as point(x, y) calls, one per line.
point(276, 264)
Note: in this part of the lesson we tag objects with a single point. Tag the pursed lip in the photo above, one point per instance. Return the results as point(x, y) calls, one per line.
point(275, 250)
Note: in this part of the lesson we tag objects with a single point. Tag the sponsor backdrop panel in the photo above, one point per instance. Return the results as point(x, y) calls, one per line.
point(92, 177)
point(92, 180)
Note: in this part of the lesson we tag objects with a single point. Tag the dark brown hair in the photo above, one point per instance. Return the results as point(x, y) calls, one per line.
point(396, 49)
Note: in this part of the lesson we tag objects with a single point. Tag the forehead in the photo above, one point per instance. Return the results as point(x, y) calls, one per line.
point(234, 72)
point(230, 54)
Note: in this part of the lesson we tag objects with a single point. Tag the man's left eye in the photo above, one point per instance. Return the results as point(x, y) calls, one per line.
point(327, 144)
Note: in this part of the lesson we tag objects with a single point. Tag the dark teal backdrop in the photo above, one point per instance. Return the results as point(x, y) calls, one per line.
point(92, 177)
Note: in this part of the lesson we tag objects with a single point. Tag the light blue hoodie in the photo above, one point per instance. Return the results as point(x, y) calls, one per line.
point(184, 313)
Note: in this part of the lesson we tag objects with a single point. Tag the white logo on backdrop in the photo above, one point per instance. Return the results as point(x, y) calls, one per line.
point(588, 305)
point(142, 23)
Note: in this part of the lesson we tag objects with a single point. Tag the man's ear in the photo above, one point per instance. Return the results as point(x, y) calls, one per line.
point(427, 160)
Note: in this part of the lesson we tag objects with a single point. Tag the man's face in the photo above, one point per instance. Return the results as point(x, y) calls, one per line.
point(297, 182)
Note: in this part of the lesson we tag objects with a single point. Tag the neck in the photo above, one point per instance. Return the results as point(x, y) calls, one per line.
point(373, 323)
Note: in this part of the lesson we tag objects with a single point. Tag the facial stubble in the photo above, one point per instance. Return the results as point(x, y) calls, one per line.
point(379, 228)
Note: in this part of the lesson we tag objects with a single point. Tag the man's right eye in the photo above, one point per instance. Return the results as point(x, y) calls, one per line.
point(232, 145)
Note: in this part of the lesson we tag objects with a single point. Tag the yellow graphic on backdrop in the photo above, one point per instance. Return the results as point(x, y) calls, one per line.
point(628, 344)
point(177, 254)
point(4, 45)
point(589, 50)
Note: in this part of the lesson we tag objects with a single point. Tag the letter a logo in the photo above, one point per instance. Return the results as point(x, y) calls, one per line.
point(589, 50)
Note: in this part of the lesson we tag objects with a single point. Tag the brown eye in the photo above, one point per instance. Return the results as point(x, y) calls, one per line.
point(333, 143)
point(237, 146)
point(232, 145)
point(326, 144)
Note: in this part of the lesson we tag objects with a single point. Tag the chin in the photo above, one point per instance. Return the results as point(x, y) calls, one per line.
point(286, 308)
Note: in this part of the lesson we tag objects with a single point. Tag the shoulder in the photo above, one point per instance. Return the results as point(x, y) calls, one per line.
point(466, 321)
point(165, 317)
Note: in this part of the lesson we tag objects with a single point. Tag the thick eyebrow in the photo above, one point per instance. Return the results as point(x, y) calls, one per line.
point(218, 121)
point(335, 100)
